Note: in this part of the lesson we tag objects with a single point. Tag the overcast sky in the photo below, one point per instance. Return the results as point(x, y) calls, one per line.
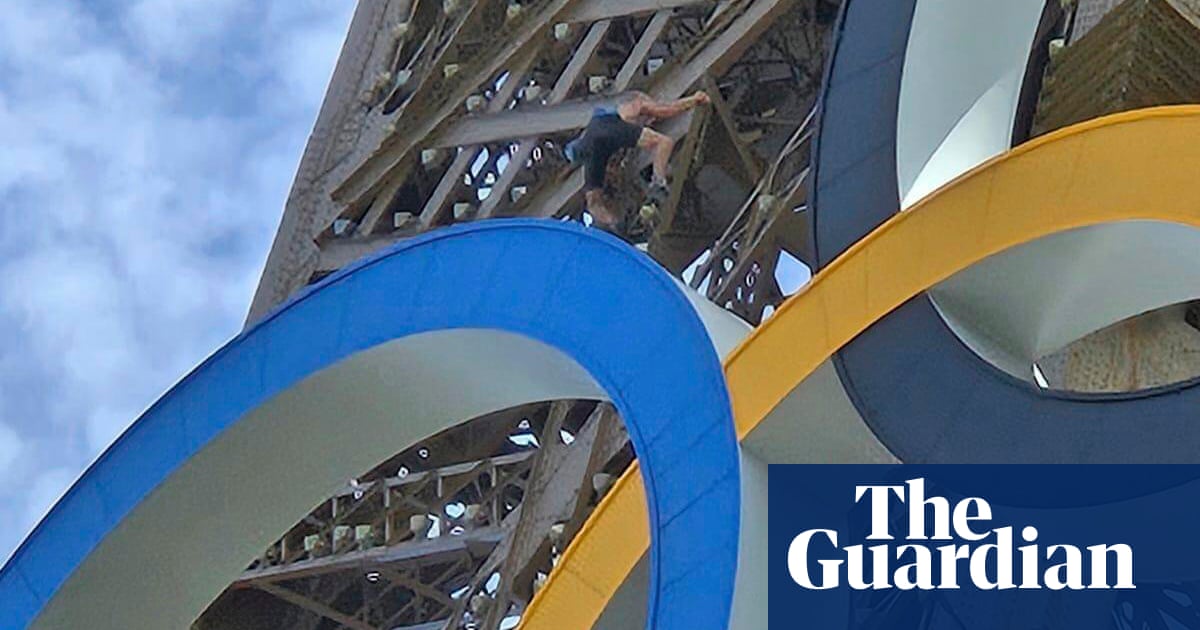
point(146, 150)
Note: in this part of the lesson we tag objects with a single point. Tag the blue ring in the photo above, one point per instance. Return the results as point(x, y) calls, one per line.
point(582, 292)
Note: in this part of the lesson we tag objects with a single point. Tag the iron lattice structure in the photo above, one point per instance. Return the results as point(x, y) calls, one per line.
point(453, 111)
point(445, 112)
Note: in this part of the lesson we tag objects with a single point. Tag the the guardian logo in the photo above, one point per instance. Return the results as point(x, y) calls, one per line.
point(987, 566)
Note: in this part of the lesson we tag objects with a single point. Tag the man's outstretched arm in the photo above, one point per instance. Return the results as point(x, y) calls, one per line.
point(644, 106)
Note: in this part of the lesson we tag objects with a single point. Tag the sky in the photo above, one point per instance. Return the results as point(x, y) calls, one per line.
point(146, 151)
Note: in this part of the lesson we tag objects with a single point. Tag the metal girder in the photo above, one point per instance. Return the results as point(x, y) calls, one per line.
point(741, 264)
point(592, 11)
point(489, 566)
point(415, 600)
point(340, 252)
point(633, 63)
point(379, 503)
point(559, 118)
point(533, 525)
point(429, 550)
point(696, 119)
point(733, 31)
point(720, 51)
point(379, 209)
point(641, 50)
point(313, 606)
point(749, 162)
point(610, 440)
point(559, 491)
point(521, 122)
point(417, 587)
point(460, 551)
point(452, 179)
point(308, 206)
point(553, 117)
point(424, 116)
point(728, 44)
point(587, 49)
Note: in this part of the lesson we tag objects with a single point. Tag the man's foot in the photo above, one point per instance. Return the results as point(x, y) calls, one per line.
point(648, 213)
point(659, 187)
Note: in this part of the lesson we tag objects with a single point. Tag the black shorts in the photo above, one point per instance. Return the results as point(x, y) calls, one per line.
point(606, 134)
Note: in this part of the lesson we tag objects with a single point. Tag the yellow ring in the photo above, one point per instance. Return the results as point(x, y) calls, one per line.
point(1139, 165)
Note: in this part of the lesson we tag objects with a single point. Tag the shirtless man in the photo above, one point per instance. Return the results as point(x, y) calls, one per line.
point(614, 128)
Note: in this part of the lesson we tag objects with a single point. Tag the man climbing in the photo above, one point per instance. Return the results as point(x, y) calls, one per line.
point(614, 128)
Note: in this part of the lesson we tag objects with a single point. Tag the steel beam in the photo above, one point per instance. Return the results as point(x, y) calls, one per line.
point(391, 160)
point(686, 154)
point(431, 549)
point(641, 50)
point(722, 50)
point(516, 163)
point(592, 11)
point(534, 524)
point(749, 162)
point(436, 204)
point(521, 122)
point(315, 607)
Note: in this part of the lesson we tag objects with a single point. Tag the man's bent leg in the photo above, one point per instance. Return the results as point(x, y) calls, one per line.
point(661, 146)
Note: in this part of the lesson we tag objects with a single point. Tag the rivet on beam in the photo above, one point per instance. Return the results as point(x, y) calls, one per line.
point(514, 9)
point(516, 192)
point(449, 6)
point(766, 202)
point(429, 157)
point(597, 84)
point(557, 534)
point(400, 30)
point(419, 525)
point(382, 80)
point(364, 535)
point(602, 483)
point(401, 219)
point(403, 77)
point(1056, 46)
point(562, 31)
point(342, 227)
point(462, 210)
point(531, 93)
point(314, 545)
point(475, 103)
point(449, 70)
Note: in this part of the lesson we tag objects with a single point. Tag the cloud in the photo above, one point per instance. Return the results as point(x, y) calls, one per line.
point(176, 30)
point(10, 448)
point(148, 151)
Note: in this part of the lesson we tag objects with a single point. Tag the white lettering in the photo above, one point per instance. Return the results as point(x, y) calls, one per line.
point(1124, 556)
point(879, 508)
point(798, 561)
point(989, 566)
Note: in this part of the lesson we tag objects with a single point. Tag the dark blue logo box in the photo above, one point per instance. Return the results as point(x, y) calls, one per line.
point(1066, 534)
